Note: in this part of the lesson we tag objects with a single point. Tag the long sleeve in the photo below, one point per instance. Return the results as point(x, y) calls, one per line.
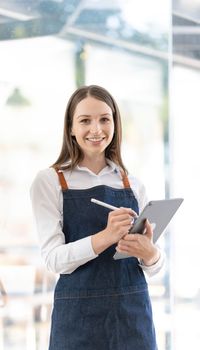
point(58, 256)
point(155, 268)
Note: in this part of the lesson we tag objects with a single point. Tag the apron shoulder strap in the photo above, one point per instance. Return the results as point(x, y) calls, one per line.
point(62, 180)
point(125, 179)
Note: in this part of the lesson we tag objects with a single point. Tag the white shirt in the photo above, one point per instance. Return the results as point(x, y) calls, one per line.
point(47, 203)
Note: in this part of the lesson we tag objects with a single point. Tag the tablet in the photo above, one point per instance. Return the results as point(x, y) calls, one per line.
point(159, 213)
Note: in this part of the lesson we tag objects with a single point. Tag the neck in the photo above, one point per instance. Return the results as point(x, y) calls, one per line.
point(94, 164)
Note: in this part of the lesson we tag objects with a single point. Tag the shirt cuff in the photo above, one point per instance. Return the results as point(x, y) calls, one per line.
point(87, 247)
point(155, 268)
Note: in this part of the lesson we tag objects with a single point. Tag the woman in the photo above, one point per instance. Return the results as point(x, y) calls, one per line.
point(99, 303)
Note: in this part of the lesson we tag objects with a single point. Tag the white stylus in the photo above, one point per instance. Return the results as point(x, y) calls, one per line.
point(103, 204)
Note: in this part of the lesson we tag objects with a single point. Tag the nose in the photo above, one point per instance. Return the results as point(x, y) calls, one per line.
point(95, 127)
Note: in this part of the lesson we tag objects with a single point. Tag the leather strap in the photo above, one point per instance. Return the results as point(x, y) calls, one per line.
point(62, 180)
point(125, 180)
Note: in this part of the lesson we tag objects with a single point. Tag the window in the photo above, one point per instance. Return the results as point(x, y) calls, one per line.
point(50, 47)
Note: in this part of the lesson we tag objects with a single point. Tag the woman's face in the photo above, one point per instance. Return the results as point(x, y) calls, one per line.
point(93, 126)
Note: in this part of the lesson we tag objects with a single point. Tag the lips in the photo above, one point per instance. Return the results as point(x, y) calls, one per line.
point(95, 139)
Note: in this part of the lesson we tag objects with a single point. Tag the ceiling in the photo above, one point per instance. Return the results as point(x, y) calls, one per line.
point(102, 22)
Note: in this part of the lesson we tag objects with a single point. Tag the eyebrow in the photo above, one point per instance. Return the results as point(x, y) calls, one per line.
point(88, 115)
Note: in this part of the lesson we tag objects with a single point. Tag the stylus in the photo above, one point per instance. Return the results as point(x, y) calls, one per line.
point(103, 204)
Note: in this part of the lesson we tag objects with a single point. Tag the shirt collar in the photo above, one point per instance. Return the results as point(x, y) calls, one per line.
point(112, 166)
point(109, 168)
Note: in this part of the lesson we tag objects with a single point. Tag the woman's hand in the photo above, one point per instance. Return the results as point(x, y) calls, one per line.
point(118, 224)
point(140, 246)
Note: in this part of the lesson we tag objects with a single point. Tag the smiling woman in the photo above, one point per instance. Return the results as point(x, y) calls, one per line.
point(91, 118)
point(57, 46)
point(95, 295)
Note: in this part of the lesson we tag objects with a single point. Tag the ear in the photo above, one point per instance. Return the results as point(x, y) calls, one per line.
point(72, 133)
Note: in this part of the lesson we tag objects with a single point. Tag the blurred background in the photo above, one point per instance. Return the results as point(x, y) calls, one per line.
point(147, 54)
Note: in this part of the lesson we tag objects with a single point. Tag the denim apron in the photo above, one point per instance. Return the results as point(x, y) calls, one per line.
point(104, 304)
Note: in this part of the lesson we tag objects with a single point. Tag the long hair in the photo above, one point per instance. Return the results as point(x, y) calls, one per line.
point(70, 152)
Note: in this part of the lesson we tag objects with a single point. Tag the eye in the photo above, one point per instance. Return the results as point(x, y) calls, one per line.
point(105, 120)
point(85, 121)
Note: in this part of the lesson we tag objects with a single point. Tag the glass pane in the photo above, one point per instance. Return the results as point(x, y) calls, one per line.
point(186, 171)
point(48, 48)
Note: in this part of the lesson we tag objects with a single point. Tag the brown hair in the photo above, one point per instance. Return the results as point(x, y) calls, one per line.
point(70, 151)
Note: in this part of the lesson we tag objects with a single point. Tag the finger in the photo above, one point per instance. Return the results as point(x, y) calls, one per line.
point(121, 218)
point(126, 225)
point(126, 248)
point(149, 231)
point(130, 211)
point(120, 214)
point(125, 217)
point(123, 246)
point(131, 237)
point(127, 243)
point(120, 250)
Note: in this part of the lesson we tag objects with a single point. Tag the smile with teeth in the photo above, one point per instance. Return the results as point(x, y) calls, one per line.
point(95, 139)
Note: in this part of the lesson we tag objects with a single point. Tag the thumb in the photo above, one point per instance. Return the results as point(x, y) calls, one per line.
point(148, 229)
